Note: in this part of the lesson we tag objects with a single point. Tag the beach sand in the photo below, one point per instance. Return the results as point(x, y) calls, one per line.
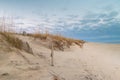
point(95, 61)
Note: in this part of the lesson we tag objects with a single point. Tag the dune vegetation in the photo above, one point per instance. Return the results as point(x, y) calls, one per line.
point(59, 41)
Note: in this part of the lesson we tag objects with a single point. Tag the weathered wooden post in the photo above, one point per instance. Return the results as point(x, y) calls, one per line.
point(52, 54)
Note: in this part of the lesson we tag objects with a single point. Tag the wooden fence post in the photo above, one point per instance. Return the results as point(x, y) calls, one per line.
point(52, 54)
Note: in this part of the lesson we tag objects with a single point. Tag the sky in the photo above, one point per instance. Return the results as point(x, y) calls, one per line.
point(90, 20)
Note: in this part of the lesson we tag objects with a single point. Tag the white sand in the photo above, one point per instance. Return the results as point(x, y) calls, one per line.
point(93, 62)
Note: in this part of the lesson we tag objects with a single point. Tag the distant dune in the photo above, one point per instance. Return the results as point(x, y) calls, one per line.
point(92, 61)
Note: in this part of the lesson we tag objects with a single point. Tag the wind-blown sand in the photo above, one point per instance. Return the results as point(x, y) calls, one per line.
point(94, 61)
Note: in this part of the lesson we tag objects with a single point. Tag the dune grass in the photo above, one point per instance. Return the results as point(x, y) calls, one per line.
point(59, 41)
point(13, 41)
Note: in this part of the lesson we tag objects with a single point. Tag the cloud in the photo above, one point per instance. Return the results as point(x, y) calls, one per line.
point(69, 22)
point(93, 27)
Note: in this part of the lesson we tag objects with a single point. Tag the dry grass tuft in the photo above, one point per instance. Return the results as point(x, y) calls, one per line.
point(16, 42)
point(13, 41)
point(39, 35)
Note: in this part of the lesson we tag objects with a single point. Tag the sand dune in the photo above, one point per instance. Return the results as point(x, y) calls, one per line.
point(94, 61)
